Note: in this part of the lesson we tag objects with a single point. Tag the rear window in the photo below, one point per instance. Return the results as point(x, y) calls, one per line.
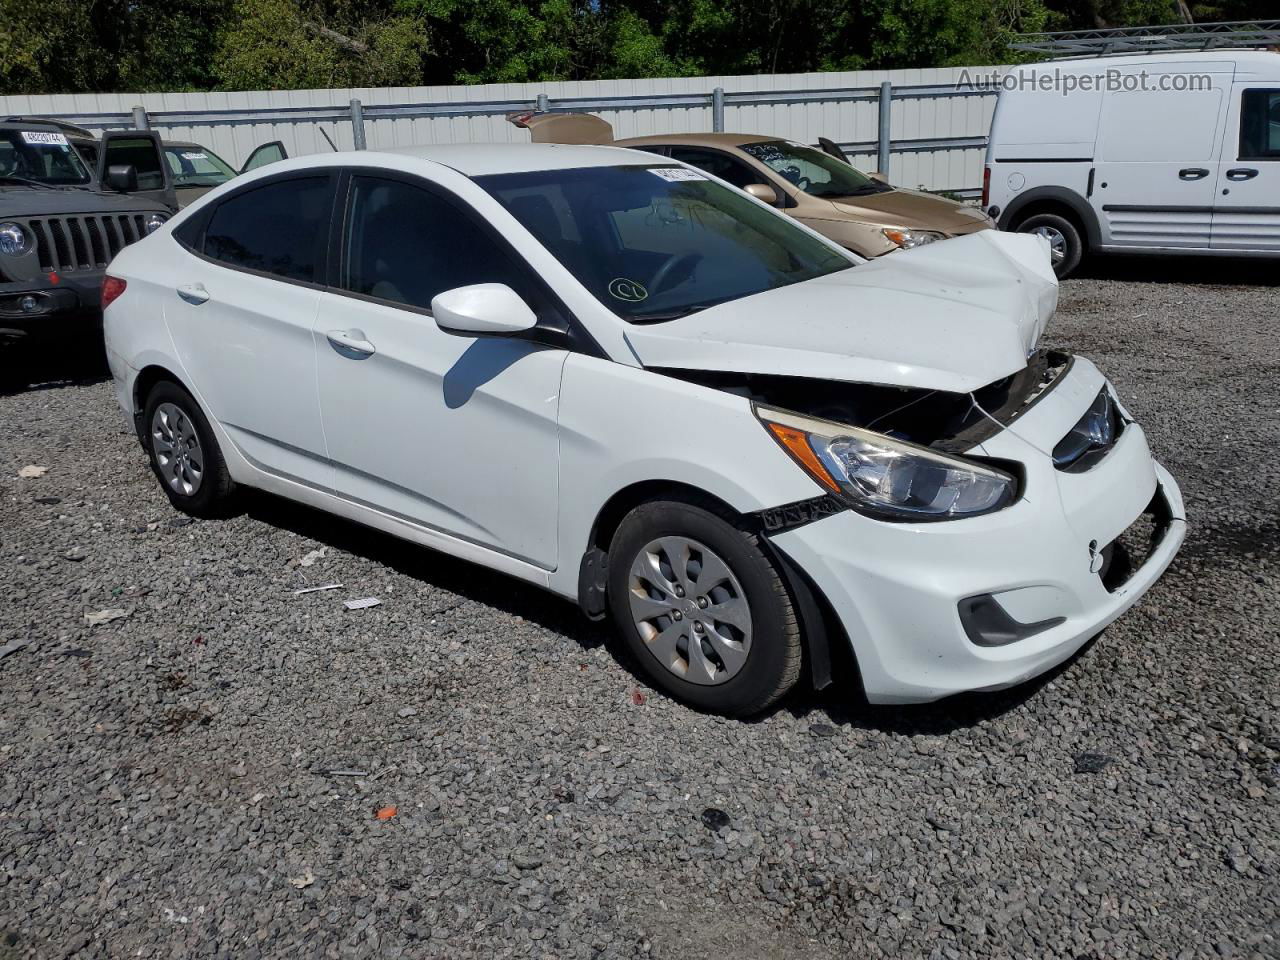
point(280, 228)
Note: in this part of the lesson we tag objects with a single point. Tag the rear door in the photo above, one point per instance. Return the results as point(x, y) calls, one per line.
point(1157, 156)
point(1247, 213)
point(141, 150)
point(240, 308)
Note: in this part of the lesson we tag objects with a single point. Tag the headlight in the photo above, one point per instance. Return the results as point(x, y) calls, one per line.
point(1092, 436)
point(13, 239)
point(154, 221)
point(906, 239)
point(888, 478)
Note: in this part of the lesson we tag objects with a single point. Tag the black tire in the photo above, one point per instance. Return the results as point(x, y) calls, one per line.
point(773, 658)
point(215, 494)
point(1072, 242)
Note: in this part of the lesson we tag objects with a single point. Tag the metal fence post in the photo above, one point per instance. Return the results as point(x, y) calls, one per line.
point(717, 110)
point(883, 141)
point(140, 119)
point(544, 103)
point(357, 125)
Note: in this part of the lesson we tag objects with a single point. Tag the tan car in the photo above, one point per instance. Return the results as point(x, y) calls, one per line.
point(858, 211)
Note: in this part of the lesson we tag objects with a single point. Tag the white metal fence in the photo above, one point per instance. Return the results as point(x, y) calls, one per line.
point(932, 133)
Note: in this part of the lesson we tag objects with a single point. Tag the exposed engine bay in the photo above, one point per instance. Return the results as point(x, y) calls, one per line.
point(946, 421)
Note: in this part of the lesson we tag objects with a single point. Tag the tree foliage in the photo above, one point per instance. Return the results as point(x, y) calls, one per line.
point(53, 46)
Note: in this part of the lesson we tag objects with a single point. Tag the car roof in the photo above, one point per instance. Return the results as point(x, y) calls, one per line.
point(481, 159)
point(69, 129)
point(699, 139)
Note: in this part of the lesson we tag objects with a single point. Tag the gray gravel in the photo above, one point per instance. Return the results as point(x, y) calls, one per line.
point(166, 784)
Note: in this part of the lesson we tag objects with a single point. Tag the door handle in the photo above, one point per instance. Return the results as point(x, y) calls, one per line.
point(1242, 173)
point(352, 344)
point(1192, 173)
point(194, 293)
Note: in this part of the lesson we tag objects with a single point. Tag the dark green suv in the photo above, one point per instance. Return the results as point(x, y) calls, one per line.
point(62, 217)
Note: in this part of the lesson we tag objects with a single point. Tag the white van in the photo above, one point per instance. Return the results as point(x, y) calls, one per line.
point(1147, 153)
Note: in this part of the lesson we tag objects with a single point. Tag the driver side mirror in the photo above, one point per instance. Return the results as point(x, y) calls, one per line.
point(122, 177)
point(763, 192)
point(877, 175)
point(482, 310)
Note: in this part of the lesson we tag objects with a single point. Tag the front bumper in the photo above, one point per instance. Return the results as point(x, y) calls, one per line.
point(897, 588)
point(40, 305)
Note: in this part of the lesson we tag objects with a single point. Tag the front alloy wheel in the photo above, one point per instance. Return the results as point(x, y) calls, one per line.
point(702, 607)
point(690, 610)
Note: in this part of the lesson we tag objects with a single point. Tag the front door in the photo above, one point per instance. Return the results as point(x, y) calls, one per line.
point(1156, 159)
point(141, 150)
point(241, 307)
point(454, 433)
point(1246, 214)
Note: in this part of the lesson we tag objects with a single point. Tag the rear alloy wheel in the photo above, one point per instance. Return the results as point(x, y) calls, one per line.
point(702, 608)
point(1066, 249)
point(184, 453)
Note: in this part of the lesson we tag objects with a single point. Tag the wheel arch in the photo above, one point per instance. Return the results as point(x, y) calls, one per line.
point(143, 384)
point(818, 621)
point(1056, 200)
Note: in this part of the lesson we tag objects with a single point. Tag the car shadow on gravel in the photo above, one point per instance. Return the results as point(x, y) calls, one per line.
point(1206, 271)
point(841, 704)
point(28, 365)
point(461, 577)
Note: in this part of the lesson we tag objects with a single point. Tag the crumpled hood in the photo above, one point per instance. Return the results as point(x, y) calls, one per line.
point(954, 315)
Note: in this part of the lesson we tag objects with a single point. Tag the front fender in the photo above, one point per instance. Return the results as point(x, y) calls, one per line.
point(620, 426)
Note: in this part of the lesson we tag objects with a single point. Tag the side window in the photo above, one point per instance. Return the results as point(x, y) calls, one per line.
point(406, 244)
point(280, 228)
point(718, 165)
point(1260, 125)
point(141, 154)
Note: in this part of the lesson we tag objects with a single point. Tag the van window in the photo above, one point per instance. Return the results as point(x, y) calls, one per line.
point(1159, 126)
point(1260, 125)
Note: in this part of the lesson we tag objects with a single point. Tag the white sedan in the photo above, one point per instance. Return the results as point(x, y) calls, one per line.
point(636, 386)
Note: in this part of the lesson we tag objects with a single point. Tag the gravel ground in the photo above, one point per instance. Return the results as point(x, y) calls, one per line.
point(167, 784)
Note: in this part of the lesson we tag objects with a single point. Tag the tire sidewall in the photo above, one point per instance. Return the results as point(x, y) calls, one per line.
point(206, 500)
point(1075, 243)
point(766, 661)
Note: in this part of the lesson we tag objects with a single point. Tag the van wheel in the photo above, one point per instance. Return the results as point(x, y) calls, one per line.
point(1066, 249)
point(184, 455)
point(702, 608)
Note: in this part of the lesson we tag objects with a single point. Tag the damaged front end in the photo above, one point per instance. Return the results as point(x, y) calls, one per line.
point(944, 421)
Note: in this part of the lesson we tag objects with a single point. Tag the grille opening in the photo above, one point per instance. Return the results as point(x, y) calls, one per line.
point(1128, 553)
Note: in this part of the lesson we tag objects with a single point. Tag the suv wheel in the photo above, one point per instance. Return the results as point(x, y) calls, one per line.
point(184, 454)
point(702, 608)
point(1065, 246)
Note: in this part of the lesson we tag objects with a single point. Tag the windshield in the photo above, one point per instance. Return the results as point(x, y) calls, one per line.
point(816, 173)
point(658, 243)
point(194, 166)
point(39, 156)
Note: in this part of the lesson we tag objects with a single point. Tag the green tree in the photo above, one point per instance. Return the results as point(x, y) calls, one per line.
point(288, 44)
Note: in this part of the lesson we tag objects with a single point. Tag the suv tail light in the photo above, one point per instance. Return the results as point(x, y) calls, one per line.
point(986, 186)
point(112, 287)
